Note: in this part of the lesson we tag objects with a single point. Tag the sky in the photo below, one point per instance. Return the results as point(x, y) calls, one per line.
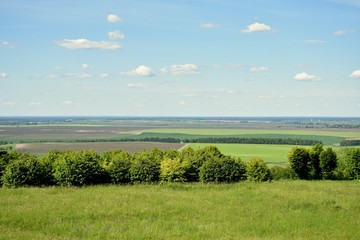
point(180, 58)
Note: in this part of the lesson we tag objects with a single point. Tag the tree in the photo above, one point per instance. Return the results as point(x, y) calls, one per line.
point(353, 163)
point(299, 159)
point(118, 163)
point(315, 169)
point(145, 167)
point(328, 162)
point(173, 170)
point(257, 170)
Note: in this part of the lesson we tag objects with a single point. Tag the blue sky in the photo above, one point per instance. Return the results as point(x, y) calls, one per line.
point(180, 58)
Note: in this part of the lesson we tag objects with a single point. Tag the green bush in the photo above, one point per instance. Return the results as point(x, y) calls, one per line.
point(222, 169)
point(25, 171)
point(353, 163)
point(173, 170)
point(118, 164)
point(79, 169)
point(257, 170)
point(328, 163)
point(299, 159)
point(145, 167)
point(5, 158)
point(279, 173)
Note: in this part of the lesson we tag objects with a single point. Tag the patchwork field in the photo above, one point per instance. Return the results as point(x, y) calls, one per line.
point(278, 210)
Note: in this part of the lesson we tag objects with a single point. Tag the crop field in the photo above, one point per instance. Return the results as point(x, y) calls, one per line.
point(132, 147)
point(277, 210)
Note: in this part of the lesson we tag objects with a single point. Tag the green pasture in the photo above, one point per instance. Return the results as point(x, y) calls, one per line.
point(245, 210)
point(276, 154)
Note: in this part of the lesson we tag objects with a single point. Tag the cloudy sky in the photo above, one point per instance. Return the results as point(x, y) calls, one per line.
point(180, 57)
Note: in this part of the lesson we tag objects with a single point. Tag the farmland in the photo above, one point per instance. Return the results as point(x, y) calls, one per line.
point(278, 210)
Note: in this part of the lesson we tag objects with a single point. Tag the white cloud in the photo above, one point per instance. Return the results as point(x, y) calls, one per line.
point(313, 41)
point(184, 69)
point(116, 35)
point(135, 85)
point(113, 18)
point(8, 103)
point(306, 77)
point(3, 75)
point(68, 102)
point(259, 69)
point(182, 103)
point(78, 75)
point(142, 71)
point(355, 74)
point(82, 43)
point(257, 27)
point(85, 66)
point(104, 75)
point(209, 25)
point(34, 104)
point(344, 32)
point(6, 44)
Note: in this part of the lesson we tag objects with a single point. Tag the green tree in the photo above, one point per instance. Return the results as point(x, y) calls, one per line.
point(5, 158)
point(353, 163)
point(26, 171)
point(257, 170)
point(315, 169)
point(173, 170)
point(328, 162)
point(146, 166)
point(118, 164)
point(299, 159)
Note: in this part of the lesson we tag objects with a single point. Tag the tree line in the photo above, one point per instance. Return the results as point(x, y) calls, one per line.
point(81, 168)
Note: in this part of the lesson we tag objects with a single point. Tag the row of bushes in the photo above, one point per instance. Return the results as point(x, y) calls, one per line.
point(80, 168)
point(324, 163)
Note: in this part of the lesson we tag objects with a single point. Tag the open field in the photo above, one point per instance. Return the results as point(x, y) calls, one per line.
point(278, 210)
point(132, 147)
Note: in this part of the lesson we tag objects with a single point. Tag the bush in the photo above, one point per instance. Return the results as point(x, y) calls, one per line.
point(118, 164)
point(79, 169)
point(279, 173)
point(353, 163)
point(173, 170)
point(299, 159)
point(145, 167)
point(5, 159)
point(222, 169)
point(26, 171)
point(328, 163)
point(257, 170)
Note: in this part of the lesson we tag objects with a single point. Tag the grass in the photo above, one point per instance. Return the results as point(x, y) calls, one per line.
point(278, 210)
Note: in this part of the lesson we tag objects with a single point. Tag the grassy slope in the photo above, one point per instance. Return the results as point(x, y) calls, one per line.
point(280, 210)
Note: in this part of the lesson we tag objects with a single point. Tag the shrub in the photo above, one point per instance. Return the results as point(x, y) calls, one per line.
point(222, 169)
point(26, 171)
point(5, 158)
point(353, 163)
point(315, 171)
point(328, 163)
point(257, 170)
point(79, 169)
point(145, 167)
point(279, 173)
point(173, 170)
point(118, 164)
point(299, 159)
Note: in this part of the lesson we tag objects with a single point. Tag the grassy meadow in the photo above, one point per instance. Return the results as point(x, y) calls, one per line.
point(277, 210)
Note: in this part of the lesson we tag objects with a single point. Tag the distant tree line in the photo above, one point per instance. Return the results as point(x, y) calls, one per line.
point(81, 168)
point(354, 142)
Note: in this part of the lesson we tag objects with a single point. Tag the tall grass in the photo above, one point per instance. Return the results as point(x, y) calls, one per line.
point(278, 210)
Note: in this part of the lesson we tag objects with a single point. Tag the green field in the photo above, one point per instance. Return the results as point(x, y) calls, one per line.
point(278, 210)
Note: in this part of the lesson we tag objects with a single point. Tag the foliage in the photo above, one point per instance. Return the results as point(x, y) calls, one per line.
point(222, 169)
point(257, 170)
point(118, 163)
point(5, 158)
point(79, 169)
point(173, 170)
point(146, 167)
point(353, 163)
point(315, 171)
point(299, 159)
point(25, 171)
point(281, 173)
point(328, 162)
